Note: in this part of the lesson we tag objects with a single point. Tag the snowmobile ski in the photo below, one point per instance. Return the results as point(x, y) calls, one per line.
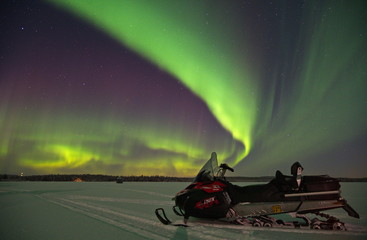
point(161, 215)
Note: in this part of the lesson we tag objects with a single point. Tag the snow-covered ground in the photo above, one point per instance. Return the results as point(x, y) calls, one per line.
point(71, 210)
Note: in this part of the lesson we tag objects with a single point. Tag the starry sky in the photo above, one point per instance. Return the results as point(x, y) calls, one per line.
point(153, 87)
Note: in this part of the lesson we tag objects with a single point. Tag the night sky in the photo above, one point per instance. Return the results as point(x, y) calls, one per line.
point(153, 87)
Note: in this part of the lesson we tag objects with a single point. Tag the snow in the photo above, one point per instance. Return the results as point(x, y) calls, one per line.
point(101, 210)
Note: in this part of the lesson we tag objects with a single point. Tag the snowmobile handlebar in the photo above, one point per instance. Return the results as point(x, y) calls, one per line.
point(225, 166)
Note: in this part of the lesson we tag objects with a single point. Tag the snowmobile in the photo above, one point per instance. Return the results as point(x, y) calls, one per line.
point(211, 196)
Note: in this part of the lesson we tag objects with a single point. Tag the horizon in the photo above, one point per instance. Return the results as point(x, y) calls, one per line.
point(167, 176)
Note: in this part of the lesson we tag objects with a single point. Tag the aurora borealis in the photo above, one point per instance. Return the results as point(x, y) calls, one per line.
point(153, 87)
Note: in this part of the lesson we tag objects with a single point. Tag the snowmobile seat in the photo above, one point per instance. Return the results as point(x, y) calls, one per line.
point(284, 183)
point(255, 193)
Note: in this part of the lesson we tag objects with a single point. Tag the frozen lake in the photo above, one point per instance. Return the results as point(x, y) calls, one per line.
point(71, 210)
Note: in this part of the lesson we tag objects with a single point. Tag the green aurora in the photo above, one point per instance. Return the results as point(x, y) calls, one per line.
point(170, 35)
point(297, 99)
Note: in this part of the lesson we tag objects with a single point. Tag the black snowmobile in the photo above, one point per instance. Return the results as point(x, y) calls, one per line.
point(210, 196)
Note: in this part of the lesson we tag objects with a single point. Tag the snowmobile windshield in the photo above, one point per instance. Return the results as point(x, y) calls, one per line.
point(209, 170)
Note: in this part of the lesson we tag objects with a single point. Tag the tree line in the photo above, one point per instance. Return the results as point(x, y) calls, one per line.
point(92, 178)
point(141, 178)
